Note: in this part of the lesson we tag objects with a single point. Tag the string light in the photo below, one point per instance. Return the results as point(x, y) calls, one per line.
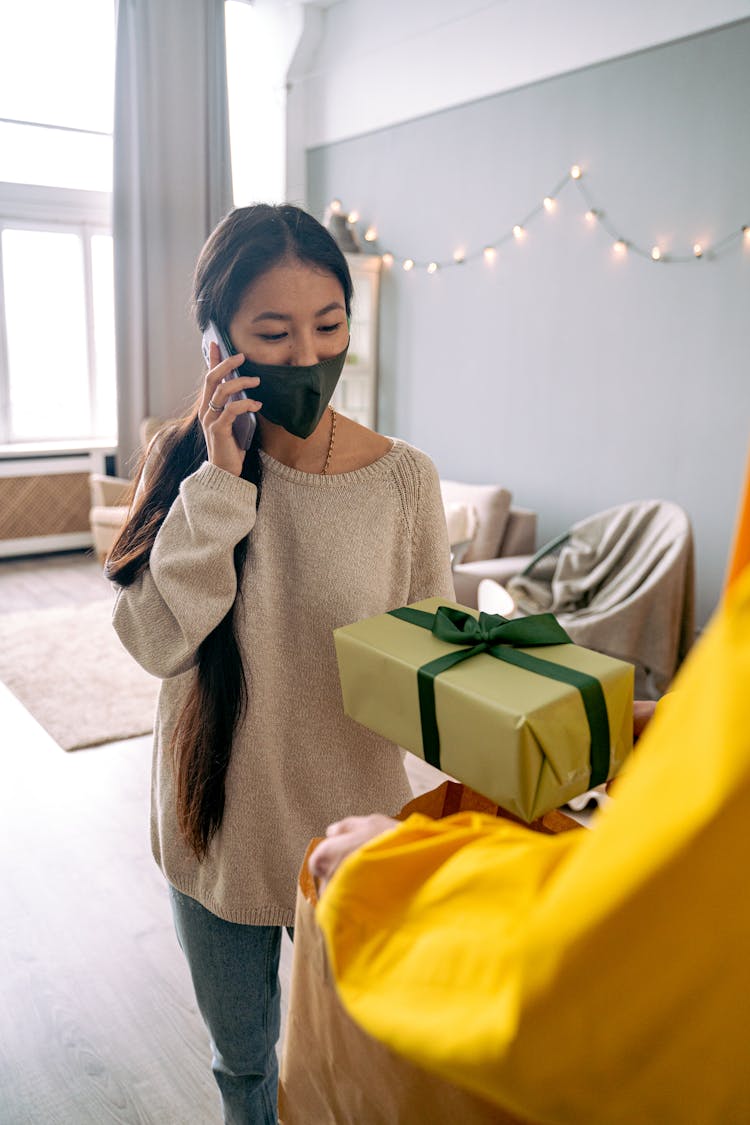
point(593, 214)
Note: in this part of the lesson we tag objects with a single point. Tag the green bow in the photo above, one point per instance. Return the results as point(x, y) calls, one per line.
point(459, 628)
point(501, 638)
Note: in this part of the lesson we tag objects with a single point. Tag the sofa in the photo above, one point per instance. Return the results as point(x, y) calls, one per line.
point(490, 537)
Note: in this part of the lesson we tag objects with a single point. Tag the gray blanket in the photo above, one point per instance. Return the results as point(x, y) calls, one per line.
point(622, 584)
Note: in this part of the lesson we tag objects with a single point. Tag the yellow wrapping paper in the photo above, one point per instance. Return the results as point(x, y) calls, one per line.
point(519, 738)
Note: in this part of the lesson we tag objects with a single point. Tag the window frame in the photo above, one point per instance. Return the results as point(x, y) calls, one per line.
point(35, 207)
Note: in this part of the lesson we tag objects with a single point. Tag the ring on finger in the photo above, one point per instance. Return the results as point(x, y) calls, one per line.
point(212, 406)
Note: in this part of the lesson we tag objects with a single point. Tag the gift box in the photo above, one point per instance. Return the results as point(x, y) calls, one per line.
point(510, 707)
point(332, 1071)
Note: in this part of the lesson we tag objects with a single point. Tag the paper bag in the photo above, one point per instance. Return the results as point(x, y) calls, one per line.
point(332, 1072)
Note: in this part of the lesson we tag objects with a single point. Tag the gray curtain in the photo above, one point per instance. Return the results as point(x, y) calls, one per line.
point(172, 183)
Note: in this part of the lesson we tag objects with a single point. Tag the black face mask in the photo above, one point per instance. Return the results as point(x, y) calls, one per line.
point(295, 397)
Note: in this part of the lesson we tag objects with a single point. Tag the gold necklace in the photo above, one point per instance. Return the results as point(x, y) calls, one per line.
point(324, 470)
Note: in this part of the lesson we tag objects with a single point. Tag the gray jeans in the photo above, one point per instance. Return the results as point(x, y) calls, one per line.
point(235, 971)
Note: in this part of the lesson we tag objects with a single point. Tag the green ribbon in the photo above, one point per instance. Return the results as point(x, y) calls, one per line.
point(500, 637)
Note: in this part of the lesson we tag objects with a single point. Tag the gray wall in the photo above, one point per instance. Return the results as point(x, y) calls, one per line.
point(575, 380)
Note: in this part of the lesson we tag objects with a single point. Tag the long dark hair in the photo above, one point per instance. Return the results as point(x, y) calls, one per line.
point(247, 243)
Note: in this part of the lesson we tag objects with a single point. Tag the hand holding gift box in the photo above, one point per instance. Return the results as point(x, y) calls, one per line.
point(510, 707)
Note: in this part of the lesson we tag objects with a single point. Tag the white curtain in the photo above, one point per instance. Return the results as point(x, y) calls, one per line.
point(172, 183)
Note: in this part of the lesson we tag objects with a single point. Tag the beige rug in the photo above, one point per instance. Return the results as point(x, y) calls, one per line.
point(70, 671)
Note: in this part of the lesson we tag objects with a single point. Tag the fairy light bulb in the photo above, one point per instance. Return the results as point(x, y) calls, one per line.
point(370, 234)
point(698, 250)
point(655, 253)
point(335, 206)
point(409, 264)
point(746, 233)
point(590, 215)
point(490, 253)
point(432, 267)
point(620, 247)
point(353, 217)
point(458, 256)
point(575, 172)
point(387, 258)
point(518, 231)
point(549, 203)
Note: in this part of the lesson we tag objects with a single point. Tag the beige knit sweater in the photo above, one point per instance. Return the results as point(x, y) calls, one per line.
point(324, 551)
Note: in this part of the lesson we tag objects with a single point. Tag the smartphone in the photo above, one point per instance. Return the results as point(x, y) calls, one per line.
point(244, 425)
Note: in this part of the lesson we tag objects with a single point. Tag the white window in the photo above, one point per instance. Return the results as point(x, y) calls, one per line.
point(57, 63)
point(260, 41)
point(57, 370)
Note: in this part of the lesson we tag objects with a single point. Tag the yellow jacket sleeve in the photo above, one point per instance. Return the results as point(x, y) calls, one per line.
point(598, 976)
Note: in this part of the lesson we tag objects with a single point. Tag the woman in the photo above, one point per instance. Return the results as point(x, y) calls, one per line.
point(234, 569)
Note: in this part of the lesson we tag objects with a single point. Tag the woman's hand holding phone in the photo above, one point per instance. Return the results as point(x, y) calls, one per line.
point(219, 409)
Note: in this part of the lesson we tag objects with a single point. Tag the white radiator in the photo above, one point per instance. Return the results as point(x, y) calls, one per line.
point(44, 500)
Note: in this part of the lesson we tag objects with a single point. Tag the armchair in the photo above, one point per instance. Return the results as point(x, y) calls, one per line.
point(109, 509)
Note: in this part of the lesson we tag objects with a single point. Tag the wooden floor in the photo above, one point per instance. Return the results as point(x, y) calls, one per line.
point(47, 581)
point(97, 1018)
